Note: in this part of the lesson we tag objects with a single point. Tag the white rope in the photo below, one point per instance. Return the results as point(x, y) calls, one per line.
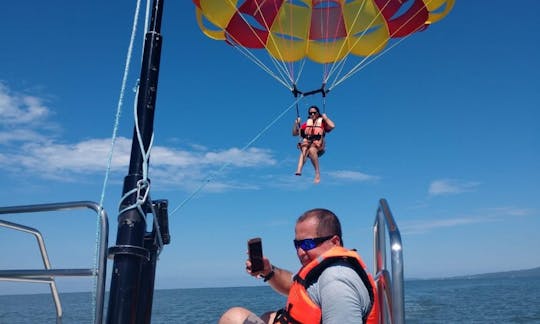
point(113, 141)
point(143, 185)
point(253, 140)
point(146, 18)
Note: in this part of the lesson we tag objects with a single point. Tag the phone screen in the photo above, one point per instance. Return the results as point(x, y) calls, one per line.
point(255, 254)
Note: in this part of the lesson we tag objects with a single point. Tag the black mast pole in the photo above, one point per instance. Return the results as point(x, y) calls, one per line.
point(130, 254)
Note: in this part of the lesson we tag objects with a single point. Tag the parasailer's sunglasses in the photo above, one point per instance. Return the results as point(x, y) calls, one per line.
point(310, 243)
point(312, 112)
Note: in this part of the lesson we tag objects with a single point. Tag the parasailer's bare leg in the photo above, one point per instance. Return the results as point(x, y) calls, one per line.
point(314, 157)
point(301, 160)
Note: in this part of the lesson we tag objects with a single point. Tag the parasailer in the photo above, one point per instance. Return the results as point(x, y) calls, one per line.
point(313, 133)
point(289, 39)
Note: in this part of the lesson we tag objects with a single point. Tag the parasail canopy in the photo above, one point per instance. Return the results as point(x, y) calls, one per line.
point(326, 32)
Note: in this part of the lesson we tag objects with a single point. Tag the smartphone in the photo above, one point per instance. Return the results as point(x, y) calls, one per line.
point(255, 254)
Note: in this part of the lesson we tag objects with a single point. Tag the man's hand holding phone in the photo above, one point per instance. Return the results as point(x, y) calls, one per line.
point(257, 264)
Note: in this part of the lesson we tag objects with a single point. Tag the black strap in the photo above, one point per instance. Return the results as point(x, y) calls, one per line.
point(283, 317)
point(269, 275)
point(313, 137)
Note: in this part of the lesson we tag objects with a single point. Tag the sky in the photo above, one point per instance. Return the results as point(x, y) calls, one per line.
point(444, 126)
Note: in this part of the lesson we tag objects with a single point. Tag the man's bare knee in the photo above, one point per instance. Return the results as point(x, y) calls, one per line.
point(239, 315)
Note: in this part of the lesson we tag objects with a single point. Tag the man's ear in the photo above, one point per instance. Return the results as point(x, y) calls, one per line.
point(336, 240)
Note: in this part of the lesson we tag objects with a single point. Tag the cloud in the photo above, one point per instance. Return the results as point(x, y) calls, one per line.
point(21, 135)
point(24, 119)
point(352, 176)
point(17, 109)
point(424, 226)
point(451, 187)
point(30, 147)
point(484, 216)
point(56, 160)
point(510, 211)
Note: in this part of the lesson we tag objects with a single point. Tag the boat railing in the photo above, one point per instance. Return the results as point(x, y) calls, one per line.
point(390, 283)
point(48, 274)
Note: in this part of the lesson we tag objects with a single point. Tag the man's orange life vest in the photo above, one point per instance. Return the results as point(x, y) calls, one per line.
point(301, 309)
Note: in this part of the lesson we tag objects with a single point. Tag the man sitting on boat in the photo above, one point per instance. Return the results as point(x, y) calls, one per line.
point(332, 287)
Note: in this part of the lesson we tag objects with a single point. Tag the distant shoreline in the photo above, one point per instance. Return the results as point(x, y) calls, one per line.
point(525, 273)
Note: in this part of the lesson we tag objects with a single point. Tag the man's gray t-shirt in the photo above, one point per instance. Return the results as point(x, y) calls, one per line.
point(341, 295)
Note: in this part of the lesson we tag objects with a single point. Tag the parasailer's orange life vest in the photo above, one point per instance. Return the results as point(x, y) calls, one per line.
point(314, 130)
point(301, 309)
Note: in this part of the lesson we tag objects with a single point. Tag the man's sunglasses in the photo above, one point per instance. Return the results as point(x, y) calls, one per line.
point(312, 112)
point(310, 243)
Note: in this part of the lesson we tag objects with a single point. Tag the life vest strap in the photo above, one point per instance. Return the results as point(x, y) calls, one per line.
point(313, 137)
point(282, 317)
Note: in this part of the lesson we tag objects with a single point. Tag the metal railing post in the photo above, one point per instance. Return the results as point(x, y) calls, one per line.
point(393, 296)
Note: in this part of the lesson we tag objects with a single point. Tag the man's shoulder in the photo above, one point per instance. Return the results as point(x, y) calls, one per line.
point(338, 270)
point(343, 278)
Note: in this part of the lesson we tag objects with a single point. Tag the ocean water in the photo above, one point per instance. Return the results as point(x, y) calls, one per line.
point(508, 300)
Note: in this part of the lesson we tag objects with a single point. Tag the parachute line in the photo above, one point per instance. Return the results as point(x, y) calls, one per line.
point(280, 66)
point(359, 66)
point(281, 79)
point(211, 177)
point(340, 65)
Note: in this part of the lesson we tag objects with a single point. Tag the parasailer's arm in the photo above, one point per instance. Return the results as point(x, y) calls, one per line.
point(329, 124)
